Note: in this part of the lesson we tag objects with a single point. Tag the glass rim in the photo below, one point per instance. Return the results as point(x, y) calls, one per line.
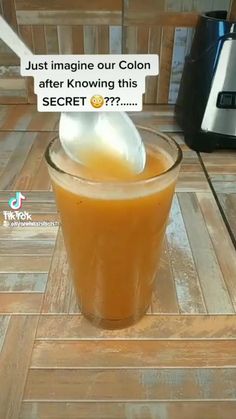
point(164, 136)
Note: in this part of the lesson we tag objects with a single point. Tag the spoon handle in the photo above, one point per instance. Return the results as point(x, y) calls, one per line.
point(12, 40)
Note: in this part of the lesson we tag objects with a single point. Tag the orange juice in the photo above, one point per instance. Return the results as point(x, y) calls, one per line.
point(113, 223)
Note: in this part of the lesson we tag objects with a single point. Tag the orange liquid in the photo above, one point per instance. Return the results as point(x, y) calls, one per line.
point(114, 245)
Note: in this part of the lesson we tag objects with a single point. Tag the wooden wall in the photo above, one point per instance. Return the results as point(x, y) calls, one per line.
point(103, 26)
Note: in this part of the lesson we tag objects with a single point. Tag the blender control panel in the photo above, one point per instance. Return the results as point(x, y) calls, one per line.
point(226, 100)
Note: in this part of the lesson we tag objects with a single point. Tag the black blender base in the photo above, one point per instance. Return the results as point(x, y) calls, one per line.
point(199, 145)
point(208, 142)
point(212, 31)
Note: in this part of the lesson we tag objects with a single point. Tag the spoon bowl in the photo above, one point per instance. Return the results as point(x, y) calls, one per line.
point(81, 132)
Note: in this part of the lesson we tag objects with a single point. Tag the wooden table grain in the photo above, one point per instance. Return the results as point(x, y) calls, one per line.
point(179, 361)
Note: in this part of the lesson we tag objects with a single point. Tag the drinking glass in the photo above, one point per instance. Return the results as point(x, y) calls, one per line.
point(113, 233)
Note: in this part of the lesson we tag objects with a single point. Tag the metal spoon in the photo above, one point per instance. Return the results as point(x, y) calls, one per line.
point(80, 132)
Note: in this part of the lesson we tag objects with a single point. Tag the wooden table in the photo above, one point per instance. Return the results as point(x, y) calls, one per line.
point(179, 361)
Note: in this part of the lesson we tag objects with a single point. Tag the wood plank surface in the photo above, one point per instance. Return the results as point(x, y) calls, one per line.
point(164, 298)
point(14, 303)
point(58, 291)
point(29, 233)
point(126, 384)
point(102, 6)
point(26, 32)
point(19, 120)
point(150, 12)
point(32, 207)
point(170, 19)
point(44, 197)
point(24, 263)
point(51, 38)
point(39, 41)
point(232, 10)
point(220, 162)
point(69, 17)
point(228, 205)
point(71, 12)
point(163, 123)
point(15, 359)
point(179, 359)
point(166, 52)
point(151, 327)
point(221, 169)
point(9, 12)
point(151, 83)
point(65, 45)
point(16, 161)
point(26, 247)
point(17, 117)
point(129, 410)
point(188, 288)
point(159, 117)
point(225, 253)
point(224, 184)
point(78, 39)
point(4, 322)
point(210, 275)
point(8, 143)
point(26, 282)
point(32, 163)
point(131, 354)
